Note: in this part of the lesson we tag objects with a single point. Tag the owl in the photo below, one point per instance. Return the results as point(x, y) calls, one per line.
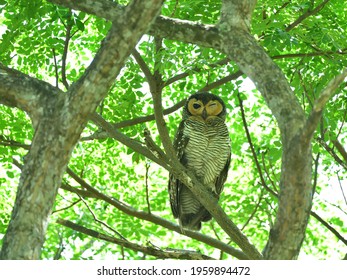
point(202, 145)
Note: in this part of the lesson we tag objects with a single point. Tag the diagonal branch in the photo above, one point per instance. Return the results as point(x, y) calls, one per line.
point(320, 103)
point(307, 14)
point(134, 145)
point(131, 122)
point(183, 75)
point(145, 69)
point(341, 149)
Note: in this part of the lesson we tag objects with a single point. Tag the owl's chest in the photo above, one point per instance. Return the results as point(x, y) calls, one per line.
point(208, 148)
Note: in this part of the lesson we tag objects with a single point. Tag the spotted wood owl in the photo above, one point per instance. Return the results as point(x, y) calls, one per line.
point(202, 144)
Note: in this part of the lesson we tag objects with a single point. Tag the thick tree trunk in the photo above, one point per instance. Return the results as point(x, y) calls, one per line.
point(295, 197)
point(58, 121)
point(295, 201)
point(40, 179)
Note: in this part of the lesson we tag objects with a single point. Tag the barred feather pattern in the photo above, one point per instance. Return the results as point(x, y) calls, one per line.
point(204, 148)
point(207, 150)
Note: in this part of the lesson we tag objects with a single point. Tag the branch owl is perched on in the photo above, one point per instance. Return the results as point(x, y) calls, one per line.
point(202, 144)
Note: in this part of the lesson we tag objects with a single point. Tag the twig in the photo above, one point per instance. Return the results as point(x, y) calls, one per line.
point(99, 221)
point(148, 118)
point(55, 69)
point(183, 75)
point(332, 153)
point(245, 125)
point(67, 207)
point(60, 249)
point(342, 124)
point(222, 81)
point(315, 176)
point(275, 193)
point(254, 211)
point(147, 188)
point(343, 193)
point(68, 27)
point(329, 227)
point(174, 9)
point(135, 121)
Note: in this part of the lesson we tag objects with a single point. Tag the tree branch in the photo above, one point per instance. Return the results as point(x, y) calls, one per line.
point(249, 139)
point(222, 81)
point(183, 75)
point(156, 219)
point(332, 153)
point(329, 227)
point(134, 145)
point(68, 27)
point(320, 103)
point(147, 118)
point(308, 13)
point(25, 92)
point(162, 27)
point(145, 69)
point(295, 198)
point(341, 149)
point(313, 54)
point(161, 254)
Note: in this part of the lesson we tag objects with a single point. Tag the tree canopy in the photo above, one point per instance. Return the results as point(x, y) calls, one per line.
point(90, 98)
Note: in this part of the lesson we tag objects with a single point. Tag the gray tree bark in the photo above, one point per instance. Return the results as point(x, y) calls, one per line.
point(58, 119)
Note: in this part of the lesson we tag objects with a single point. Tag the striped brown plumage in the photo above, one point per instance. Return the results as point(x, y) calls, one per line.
point(202, 144)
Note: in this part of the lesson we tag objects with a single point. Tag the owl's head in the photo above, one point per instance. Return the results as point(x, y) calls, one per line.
point(204, 105)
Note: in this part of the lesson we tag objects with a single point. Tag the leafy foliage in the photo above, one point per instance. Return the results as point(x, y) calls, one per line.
point(56, 44)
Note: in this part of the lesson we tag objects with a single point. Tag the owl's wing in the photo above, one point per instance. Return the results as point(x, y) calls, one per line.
point(223, 176)
point(174, 186)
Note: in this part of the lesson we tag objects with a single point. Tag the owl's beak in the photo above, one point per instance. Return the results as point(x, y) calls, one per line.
point(204, 114)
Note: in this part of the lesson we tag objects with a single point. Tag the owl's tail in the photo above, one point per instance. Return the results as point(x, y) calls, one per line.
point(193, 221)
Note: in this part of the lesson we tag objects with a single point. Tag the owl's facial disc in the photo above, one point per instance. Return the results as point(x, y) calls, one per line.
point(214, 108)
point(195, 107)
point(198, 108)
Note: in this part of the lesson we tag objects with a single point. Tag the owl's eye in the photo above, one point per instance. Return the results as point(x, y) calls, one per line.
point(212, 104)
point(196, 106)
